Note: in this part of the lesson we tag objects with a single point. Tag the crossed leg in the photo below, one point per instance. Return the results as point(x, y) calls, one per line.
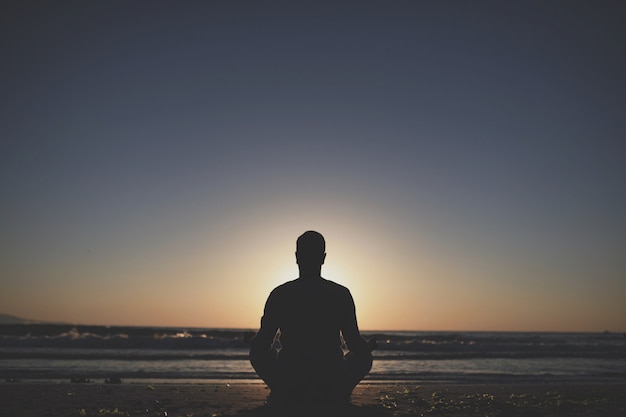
point(305, 379)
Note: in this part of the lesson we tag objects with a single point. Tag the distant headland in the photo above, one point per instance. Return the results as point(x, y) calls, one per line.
point(9, 319)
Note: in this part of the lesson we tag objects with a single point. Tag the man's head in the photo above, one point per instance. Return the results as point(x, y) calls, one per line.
point(310, 249)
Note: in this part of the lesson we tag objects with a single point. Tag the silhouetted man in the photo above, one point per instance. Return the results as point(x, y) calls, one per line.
point(310, 315)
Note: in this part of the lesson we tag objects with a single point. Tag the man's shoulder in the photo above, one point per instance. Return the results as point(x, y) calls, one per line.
point(334, 286)
point(297, 283)
point(285, 286)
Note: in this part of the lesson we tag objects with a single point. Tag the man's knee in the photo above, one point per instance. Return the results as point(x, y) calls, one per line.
point(362, 360)
point(264, 363)
point(357, 365)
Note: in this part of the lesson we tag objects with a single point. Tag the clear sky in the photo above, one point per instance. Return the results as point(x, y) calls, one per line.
point(466, 161)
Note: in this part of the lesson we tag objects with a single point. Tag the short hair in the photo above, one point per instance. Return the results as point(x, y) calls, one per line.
point(311, 243)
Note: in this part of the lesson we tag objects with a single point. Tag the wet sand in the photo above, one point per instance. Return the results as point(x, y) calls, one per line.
point(368, 399)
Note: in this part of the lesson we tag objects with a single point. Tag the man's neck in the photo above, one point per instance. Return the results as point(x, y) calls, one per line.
point(311, 274)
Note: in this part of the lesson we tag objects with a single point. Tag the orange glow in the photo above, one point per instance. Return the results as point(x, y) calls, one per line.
point(223, 276)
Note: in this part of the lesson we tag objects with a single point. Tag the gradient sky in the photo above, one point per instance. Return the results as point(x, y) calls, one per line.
point(466, 161)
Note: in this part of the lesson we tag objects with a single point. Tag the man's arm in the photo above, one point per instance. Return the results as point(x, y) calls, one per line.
point(350, 330)
point(263, 340)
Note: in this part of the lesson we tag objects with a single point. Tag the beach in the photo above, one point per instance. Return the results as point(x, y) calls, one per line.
point(213, 399)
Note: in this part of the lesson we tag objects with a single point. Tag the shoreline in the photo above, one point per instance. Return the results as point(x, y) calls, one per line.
point(370, 398)
point(80, 380)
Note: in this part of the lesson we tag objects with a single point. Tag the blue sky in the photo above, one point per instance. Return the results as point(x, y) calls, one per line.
point(465, 160)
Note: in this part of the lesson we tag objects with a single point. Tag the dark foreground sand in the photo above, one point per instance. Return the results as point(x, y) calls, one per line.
point(369, 399)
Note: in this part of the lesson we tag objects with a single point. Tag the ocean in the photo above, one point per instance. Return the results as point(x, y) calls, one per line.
point(41, 352)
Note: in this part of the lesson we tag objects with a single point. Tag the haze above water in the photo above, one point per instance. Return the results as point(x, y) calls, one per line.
point(464, 160)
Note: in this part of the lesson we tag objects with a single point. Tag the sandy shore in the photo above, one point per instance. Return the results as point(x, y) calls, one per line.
point(369, 399)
